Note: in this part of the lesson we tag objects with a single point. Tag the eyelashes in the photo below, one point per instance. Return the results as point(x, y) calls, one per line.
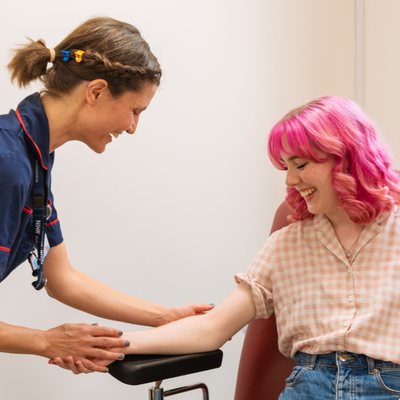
point(301, 166)
point(298, 167)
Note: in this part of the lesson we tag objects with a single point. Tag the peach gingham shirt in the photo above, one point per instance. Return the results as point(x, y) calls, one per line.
point(322, 303)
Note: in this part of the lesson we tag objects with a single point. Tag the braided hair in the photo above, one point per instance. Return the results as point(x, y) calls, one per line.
point(112, 50)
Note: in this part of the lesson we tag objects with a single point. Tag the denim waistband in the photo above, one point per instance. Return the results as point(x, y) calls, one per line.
point(344, 359)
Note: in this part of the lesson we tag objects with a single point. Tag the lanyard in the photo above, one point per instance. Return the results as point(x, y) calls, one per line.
point(39, 221)
point(40, 214)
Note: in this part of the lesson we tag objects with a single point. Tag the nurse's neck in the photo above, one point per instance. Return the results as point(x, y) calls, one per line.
point(64, 114)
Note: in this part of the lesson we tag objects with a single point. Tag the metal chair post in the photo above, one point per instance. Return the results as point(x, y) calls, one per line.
point(157, 392)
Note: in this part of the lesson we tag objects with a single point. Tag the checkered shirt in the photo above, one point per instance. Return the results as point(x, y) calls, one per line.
point(322, 303)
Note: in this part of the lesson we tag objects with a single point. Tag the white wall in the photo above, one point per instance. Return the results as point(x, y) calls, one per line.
point(170, 214)
point(382, 66)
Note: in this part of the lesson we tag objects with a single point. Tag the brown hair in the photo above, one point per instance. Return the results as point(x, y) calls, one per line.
point(114, 51)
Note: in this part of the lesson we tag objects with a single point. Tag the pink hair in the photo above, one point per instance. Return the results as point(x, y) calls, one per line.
point(362, 177)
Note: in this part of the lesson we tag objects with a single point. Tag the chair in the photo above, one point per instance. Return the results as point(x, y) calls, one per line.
point(262, 368)
point(137, 369)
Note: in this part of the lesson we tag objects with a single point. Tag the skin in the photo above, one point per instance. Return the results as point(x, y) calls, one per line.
point(209, 332)
point(303, 174)
point(89, 114)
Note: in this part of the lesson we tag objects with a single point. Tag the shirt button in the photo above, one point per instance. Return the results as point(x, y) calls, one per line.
point(350, 299)
point(346, 323)
point(339, 347)
point(349, 270)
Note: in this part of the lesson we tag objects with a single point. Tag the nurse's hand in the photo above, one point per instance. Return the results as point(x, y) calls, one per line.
point(186, 310)
point(79, 343)
point(77, 367)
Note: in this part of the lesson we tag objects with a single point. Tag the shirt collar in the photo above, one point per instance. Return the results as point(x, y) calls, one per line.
point(36, 126)
point(321, 221)
point(328, 238)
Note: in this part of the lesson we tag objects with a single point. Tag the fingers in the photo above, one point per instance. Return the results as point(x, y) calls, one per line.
point(109, 342)
point(84, 340)
point(107, 354)
point(96, 330)
point(78, 367)
point(201, 308)
point(90, 366)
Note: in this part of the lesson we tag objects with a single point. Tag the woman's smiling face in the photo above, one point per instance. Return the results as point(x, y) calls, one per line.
point(110, 116)
point(312, 179)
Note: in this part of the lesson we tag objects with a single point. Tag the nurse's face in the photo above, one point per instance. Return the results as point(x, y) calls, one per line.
point(110, 117)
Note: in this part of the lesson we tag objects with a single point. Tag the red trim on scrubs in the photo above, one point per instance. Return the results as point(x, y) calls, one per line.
point(23, 126)
point(5, 249)
point(53, 222)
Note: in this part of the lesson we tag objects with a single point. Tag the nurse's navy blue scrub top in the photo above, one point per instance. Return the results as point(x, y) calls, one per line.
point(18, 151)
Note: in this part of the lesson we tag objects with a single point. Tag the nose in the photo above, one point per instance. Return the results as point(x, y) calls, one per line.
point(132, 128)
point(292, 178)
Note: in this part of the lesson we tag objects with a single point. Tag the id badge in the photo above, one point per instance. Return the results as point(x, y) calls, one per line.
point(33, 258)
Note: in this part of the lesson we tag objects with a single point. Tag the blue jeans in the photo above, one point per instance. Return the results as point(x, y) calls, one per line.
point(342, 376)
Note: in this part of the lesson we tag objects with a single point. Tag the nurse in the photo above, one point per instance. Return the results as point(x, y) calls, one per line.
point(103, 76)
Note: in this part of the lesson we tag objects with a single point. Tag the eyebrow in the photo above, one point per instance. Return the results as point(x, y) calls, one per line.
point(291, 158)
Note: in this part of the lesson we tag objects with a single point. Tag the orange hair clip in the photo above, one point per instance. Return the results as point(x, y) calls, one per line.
point(78, 55)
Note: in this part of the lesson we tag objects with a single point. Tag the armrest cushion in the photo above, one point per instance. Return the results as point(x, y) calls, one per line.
point(137, 369)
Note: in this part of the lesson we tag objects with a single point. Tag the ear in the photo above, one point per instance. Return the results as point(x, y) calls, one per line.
point(96, 90)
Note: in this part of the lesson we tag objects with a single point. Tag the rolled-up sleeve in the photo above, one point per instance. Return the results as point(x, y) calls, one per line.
point(258, 279)
point(261, 296)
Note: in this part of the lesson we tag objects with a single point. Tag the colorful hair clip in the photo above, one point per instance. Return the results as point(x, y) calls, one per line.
point(78, 55)
point(65, 54)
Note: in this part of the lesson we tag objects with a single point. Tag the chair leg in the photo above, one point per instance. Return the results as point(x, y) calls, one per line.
point(156, 392)
point(183, 389)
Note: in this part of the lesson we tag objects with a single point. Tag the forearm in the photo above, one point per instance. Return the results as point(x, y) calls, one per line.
point(189, 335)
point(86, 294)
point(80, 291)
point(20, 340)
point(196, 334)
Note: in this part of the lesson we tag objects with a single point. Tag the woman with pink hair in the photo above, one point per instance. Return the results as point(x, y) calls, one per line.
point(332, 278)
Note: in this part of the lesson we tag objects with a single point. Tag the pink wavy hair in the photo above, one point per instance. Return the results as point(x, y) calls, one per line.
point(363, 177)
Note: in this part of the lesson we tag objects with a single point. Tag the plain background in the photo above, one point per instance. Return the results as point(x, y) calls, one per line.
point(172, 213)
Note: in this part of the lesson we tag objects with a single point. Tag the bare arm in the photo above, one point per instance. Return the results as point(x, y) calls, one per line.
point(204, 333)
point(82, 340)
point(190, 335)
point(80, 291)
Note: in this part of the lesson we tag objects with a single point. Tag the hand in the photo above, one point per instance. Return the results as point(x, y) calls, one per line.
point(79, 343)
point(77, 367)
point(186, 310)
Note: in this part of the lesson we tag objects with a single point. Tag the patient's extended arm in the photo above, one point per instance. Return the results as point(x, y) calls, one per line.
point(197, 334)
point(189, 335)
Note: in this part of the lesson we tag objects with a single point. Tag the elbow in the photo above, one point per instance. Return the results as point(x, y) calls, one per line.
point(50, 293)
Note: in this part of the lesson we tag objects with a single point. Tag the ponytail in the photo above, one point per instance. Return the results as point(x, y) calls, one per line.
point(29, 62)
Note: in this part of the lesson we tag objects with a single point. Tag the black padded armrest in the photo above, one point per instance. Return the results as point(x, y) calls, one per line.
point(137, 369)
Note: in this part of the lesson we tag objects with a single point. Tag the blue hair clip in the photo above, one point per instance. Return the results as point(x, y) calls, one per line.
point(65, 54)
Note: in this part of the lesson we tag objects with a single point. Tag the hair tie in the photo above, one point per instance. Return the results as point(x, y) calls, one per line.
point(78, 55)
point(65, 54)
point(52, 55)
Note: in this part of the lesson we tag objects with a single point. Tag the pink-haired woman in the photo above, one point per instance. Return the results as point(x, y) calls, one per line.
point(332, 278)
